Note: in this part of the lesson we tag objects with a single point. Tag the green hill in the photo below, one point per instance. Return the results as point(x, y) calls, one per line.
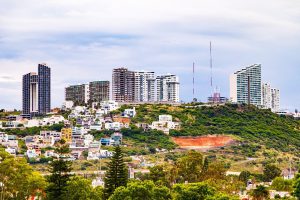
point(251, 125)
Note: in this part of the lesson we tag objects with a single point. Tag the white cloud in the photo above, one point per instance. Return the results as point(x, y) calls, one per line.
point(84, 40)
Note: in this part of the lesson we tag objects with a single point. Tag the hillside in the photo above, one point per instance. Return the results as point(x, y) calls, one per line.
point(252, 126)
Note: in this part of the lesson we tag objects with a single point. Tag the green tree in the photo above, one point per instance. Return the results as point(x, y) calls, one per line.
point(271, 172)
point(260, 193)
point(79, 188)
point(215, 171)
point(18, 180)
point(196, 191)
point(190, 167)
point(244, 176)
point(164, 174)
point(60, 172)
point(117, 174)
point(280, 184)
point(230, 185)
point(296, 186)
point(145, 190)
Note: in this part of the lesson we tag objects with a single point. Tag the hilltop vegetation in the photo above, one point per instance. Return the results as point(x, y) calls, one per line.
point(252, 126)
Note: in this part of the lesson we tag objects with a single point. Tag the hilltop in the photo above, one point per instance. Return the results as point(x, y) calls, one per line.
point(252, 127)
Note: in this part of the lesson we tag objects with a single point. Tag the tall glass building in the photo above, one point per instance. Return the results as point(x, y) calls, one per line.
point(37, 91)
point(245, 85)
point(30, 93)
point(44, 74)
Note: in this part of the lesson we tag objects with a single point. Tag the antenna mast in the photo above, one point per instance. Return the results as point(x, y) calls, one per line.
point(193, 81)
point(211, 74)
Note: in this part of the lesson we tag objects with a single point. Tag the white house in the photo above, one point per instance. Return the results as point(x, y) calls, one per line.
point(11, 151)
point(109, 106)
point(9, 141)
point(31, 153)
point(51, 153)
point(54, 119)
point(165, 118)
point(88, 139)
point(97, 127)
point(129, 112)
point(93, 156)
point(106, 154)
point(47, 134)
point(113, 126)
point(165, 123)
point(32, 123)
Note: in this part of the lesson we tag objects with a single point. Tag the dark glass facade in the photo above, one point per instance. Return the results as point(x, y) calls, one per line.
point(36, 92)
point(44, 84)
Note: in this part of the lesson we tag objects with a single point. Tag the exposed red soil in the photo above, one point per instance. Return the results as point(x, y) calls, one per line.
point(203, 142)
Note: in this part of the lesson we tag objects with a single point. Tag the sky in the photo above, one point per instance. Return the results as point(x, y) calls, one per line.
point(83, 40)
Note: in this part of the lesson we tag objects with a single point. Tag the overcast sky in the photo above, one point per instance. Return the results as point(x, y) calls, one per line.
point(83, 40)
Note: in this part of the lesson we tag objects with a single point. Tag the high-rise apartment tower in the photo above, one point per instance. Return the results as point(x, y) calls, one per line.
point(37, 92)
point(245, 85)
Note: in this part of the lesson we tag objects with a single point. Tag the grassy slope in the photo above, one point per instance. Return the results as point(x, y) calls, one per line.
point(255, 127)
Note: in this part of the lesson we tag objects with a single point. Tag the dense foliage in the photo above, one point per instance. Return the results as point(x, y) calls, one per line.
point(17, 178)
point(297, 186)
point(250, 124)
point(79, 188)
point(151, 138)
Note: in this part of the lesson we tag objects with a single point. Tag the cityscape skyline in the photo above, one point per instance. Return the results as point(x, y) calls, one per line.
point(263, 82)
point(85, 41)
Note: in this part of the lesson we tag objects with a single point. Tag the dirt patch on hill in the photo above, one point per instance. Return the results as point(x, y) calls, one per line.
point(203, 142)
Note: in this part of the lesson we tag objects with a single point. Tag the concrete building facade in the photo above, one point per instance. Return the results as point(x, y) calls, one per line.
point(144, 86)
point(123, 85)
point(167, 88)
point(79, 94)
point(99, 91)
point(270, 97)
point(275, 99)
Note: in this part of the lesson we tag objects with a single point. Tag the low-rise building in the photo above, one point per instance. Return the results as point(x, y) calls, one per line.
point(48, 134)
point(116, 126)
point(108, 106)
point(117, 138)
point(11, 151)
point(78, 133)
point(9, 141)
point(32, 153)
point(66, 134)
point(165, 123)
point(129, 112)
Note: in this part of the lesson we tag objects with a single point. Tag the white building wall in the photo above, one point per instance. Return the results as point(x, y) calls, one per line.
point(275, 99)
point(167, 88)
point(266, 95)
point(86, 93)
point(144, 86)
point(233, 88)
point(248, 81)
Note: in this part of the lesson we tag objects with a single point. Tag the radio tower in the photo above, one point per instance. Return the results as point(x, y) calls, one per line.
point(193, 81)
point(211, 73)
